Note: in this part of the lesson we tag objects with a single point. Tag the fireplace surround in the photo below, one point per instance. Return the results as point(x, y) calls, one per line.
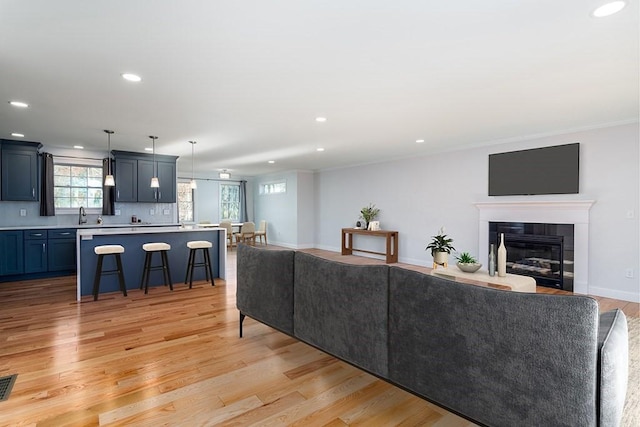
point(551, 212)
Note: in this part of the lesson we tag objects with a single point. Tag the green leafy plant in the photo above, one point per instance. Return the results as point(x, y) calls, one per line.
point(369, 213)
point(466, 258)
point(440, 243)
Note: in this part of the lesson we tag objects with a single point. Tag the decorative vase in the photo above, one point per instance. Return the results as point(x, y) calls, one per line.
point(440, 258)
point(502, 257)
point(492, 260)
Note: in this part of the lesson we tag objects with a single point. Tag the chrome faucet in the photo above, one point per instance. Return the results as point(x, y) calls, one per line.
point(82, 216)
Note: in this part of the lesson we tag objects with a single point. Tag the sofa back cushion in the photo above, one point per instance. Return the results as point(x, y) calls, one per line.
point(502, 358)
point(342, 309)
point(265, 286)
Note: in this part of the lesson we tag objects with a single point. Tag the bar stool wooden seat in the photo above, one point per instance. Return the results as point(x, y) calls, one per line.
point(194, 245)
point(150, 248)
point(102, 251)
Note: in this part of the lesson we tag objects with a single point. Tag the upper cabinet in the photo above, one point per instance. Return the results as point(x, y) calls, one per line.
point(126, 171)
point(133, 173)
point(20, 170)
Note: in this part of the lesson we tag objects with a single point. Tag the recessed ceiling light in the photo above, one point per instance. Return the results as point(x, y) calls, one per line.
point(271, 162)
point(419, 141)
point(131, 77)
point(78, 147)
point(19, 104)
point(609, 9)
point(17, 135)
point(319, 149)
point(148, 148)
point(321, 119)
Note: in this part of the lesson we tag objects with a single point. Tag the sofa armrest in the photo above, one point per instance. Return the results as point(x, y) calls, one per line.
point(613, 366)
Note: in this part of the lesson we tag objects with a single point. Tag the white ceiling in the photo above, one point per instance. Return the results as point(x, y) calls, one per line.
point(246, 78)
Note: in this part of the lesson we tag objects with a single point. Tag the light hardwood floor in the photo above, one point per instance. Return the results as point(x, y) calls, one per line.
point(174, 358)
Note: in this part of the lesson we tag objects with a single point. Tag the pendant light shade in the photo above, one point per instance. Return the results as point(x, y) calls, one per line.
point(155, 183)
point(108, 179)
point(224, 174)
point(194, 185)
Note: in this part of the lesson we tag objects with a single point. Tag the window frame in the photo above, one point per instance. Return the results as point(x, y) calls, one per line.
point(78, 162)
point(221, 203)
point(193, 202)
point(262, 187)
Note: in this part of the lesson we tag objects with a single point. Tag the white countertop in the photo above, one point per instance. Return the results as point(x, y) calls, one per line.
point(141, 230)
point(84, 226)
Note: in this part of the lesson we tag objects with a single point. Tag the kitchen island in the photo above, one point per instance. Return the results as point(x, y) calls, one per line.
point(132, 238)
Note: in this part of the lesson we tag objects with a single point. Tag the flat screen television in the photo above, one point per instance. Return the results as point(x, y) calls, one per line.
point(547, 170)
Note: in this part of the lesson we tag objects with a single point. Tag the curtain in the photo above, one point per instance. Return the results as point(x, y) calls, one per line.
point(243, 202)
point(108, 193)
point(47, 207)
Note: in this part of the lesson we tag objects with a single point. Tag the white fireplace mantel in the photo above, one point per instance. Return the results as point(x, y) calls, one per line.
point(574, 212)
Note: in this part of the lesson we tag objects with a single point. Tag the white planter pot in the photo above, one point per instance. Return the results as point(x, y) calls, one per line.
point(440, 258)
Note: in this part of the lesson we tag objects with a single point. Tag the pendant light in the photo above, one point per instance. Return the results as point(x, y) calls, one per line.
point(155, 183)
point(194, 185)
point(224, 174)
point(108, 179)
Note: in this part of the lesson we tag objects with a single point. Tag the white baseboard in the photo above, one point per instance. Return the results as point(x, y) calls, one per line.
point(612, 293)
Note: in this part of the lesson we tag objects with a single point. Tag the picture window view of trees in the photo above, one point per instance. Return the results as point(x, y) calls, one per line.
point(185, 201)
point(76, 185)
point(229, 202)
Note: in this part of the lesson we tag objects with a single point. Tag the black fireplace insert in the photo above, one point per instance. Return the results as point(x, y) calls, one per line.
point(541, 251)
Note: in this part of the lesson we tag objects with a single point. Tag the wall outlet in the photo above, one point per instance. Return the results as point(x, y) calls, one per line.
point(628, 273)
point(166, 212)
point(117, 212)
point(152, 212)
point(23, 212)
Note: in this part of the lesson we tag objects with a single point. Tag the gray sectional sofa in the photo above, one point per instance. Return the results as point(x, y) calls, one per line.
point(497, 358)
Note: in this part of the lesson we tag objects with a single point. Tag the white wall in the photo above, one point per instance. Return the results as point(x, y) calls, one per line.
point(416, 196)
point(206, 201)
point(279, 210)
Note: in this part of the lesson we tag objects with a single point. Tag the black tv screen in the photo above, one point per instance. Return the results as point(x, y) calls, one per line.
point(547, 170)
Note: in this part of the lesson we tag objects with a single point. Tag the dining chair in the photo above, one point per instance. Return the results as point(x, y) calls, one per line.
point(262, 231)
point(247, 233)
point(227, 225)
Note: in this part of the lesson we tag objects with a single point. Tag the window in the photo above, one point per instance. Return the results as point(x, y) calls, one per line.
point(77, 185)
point(230, 202)
point(273, 187)
point(185, 202)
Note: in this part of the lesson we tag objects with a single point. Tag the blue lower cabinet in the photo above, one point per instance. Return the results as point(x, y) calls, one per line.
point(35, 256)
point(62, 249)
point(11, 253)
point(35, 251)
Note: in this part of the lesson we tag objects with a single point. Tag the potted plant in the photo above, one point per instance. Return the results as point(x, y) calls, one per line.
point(440, 248)
point(467, 263)
point(369, 213)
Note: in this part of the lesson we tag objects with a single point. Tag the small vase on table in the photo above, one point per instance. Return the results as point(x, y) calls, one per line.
point(502, 257)
point(492, 260)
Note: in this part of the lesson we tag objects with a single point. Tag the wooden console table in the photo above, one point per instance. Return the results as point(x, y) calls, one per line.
point(391, 238)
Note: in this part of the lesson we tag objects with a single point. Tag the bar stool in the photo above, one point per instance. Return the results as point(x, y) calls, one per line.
point(150, 248)
point(194, 245)
point(101, 251)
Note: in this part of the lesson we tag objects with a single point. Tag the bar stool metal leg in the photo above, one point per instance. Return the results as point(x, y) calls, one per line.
point(208, 266)
point(123, 287)
point(165, 268)
point(96, 279)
